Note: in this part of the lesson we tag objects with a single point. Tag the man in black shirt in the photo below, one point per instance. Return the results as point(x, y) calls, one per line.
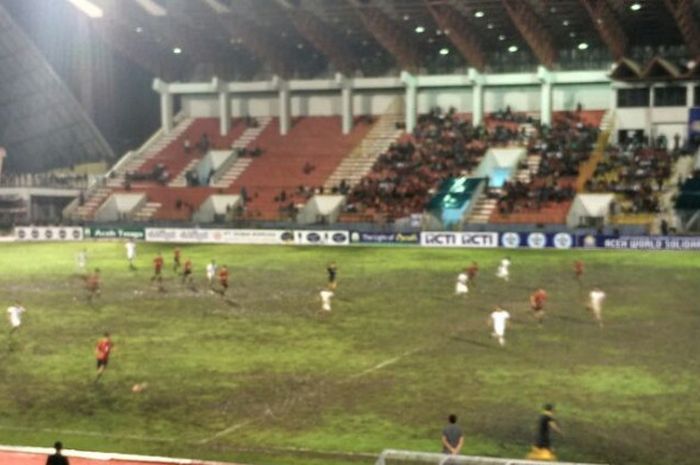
point(452, 437)
point(57, 458)
point(332, 272)
point(542, 449)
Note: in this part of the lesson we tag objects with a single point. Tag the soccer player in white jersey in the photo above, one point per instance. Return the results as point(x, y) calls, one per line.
point(503, 270)
point(595, 305)
point(461, 285)
point(499, 320)
point(211, 272)
point(14, 313)
point(326, 296)
point(130, 247)
point(81, 260)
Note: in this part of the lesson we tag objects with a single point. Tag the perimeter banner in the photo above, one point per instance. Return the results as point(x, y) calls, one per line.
point(384, 238)
point(98, 232)
point(48, 233)
point(219, 236)
point(537, 240)
point(459, 239)
point(640, 242)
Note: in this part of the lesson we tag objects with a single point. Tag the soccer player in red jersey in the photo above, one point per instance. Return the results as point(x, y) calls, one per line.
point(578, 269)
point(223, 279)
point(187, 272)
point(537, 301)
point(157, 271)
point(176, 259)
point(102, 350)
point(92, 285)
point(472, 271)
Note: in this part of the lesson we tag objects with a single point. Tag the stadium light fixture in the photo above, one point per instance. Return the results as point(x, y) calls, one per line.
point(151, 7)
point(478, 14)
point(420, 29)
point(565, 22)
point(406, 17)
point(177, 50)
point(87, 7)
point(489, 26)
point(582, 46)
point(444, 51)
point(513, 48)
point(636, 6)
point(501, 37)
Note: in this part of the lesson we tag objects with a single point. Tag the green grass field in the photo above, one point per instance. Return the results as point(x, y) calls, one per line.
point(268, 380)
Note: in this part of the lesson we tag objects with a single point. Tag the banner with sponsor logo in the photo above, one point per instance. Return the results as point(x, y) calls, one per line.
point(537, 240)
point(322, 237)
point(219, 236)
point(640, 242)
point(98, 232)
point(384, 238)
point(459, 239)
point(48, 233)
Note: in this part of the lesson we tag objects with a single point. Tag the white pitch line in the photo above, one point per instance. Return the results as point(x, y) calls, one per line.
point(376, 367)
point(226, 431)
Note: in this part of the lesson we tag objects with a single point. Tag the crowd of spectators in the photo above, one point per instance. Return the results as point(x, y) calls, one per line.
point(404, 178)
point(445, 145)
point(562, 148)
point(637, 172)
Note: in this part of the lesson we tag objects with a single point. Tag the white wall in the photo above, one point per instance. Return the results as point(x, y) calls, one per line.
point(654, 121)
point(519, 98)
point(591, 96)
point(376, 101)
point(459, 98)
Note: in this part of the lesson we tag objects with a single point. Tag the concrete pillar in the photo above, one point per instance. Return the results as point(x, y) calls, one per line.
point(545, 77)
point(346, 100)
point(690, 95)
point(285, 108)
point(224, 112)
point(411, 106)
point(477, 96)
point(167, 102)
point(546, 103)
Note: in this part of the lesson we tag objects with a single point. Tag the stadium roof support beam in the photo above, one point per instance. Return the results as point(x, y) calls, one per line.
point(532, 30)
point(322, 37)
point(682, 11)
point(391, 37)
point(608, 26)
point(460, 34)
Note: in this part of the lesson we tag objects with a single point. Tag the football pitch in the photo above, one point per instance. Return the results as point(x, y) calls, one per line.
point(265, 378)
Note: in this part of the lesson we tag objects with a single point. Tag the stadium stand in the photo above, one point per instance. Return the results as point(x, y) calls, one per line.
point(295, 166)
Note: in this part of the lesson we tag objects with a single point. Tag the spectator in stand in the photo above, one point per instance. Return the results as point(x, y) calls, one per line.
point(204, 143)
point(187, 146)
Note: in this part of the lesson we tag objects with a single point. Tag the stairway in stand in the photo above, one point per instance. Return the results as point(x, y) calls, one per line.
point(241, 163)
point(146, 211)
point(359, 162)
point(84, 211)
point(487, 203)
point(139, 159)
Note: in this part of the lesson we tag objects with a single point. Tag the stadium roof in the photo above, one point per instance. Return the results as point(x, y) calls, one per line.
point(243, 39)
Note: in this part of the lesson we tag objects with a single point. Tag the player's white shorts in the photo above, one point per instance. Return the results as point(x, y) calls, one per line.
point(597, 309)
point(461, 288)
point(502, 273)
point(15, 322)
point(210, 276)
point(500, 332)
